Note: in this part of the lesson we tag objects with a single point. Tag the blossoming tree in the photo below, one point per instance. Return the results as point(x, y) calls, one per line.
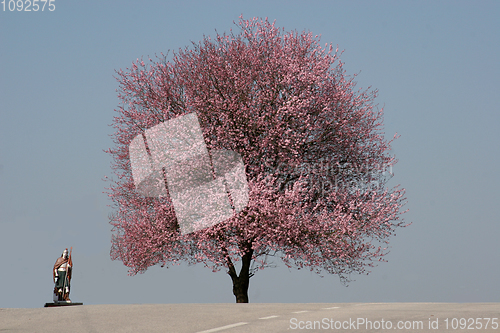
point(313, 148)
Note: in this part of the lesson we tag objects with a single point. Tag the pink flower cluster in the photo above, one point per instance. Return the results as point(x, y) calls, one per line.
point(281, 101)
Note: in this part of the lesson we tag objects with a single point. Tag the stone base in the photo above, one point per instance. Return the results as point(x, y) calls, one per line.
point(63, 303)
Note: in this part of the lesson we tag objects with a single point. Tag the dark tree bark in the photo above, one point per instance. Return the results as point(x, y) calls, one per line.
point(241, 281)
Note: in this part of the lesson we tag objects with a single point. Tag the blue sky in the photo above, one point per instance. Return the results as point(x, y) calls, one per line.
point(435, 64)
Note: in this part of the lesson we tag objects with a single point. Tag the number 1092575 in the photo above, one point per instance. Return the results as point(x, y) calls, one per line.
point(28, 5)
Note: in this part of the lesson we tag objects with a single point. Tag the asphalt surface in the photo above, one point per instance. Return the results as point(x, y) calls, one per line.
point(268, 317)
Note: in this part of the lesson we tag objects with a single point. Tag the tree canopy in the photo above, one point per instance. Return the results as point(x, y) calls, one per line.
point(313, 147)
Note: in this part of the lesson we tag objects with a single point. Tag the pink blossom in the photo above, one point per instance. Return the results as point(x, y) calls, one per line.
point(311, 142)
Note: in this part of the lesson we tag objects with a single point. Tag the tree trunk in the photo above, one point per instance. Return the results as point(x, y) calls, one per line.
point(241, 282)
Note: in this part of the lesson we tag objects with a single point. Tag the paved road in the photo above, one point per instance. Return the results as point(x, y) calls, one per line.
point(271, 317)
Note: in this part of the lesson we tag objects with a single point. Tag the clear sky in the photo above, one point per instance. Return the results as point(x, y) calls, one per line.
point(435, 63)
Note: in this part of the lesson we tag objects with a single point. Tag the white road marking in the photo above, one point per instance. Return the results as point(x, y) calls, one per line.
point(217, 329)
point(300, 311)
point(335, 307)
point(269, 317)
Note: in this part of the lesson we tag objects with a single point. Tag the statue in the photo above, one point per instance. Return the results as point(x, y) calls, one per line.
point(61, 273)
point(62, 277)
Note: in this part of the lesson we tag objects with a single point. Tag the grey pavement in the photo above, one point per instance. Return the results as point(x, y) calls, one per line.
point(268, 317)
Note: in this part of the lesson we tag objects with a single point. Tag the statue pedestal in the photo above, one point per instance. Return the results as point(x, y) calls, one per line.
point(63, 303)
